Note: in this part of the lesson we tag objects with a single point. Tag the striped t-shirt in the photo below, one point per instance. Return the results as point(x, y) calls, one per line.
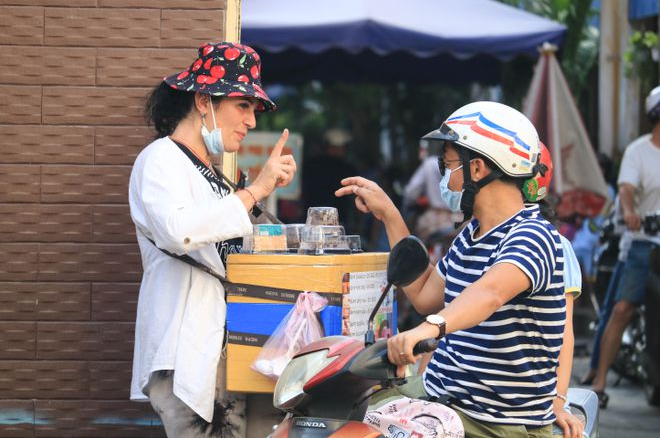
point(504, 369)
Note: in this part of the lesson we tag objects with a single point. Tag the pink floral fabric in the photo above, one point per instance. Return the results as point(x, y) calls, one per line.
point(410, 418)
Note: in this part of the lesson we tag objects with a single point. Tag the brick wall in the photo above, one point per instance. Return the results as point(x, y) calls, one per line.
point(73, 76)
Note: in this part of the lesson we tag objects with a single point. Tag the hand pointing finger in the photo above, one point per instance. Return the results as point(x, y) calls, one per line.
point(277, 150)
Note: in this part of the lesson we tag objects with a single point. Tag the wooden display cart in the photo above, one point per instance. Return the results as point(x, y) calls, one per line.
point(264, 289)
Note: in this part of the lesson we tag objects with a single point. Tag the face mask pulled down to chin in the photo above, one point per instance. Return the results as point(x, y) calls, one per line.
point(213, 139)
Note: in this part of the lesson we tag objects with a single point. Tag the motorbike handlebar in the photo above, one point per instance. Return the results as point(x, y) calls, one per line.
point(372, 363)
point(425, 346)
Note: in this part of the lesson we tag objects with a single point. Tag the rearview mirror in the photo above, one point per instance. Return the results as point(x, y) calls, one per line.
point(408, 260)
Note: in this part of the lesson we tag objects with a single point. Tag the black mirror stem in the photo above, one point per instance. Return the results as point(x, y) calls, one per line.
point(369, 336)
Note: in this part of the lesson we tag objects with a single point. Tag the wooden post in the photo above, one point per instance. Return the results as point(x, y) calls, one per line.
point(232, 33)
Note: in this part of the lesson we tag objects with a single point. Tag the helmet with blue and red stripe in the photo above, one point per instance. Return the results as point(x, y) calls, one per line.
point(496, 131)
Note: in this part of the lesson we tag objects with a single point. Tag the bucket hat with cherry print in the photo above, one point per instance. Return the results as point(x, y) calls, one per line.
point(224, 69)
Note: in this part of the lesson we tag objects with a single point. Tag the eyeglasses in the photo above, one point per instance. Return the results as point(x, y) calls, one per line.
point(442, 164)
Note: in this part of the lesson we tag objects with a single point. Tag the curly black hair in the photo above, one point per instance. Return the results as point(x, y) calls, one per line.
point(165, 107)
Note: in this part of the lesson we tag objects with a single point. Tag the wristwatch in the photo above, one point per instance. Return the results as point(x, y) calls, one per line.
point(438, 320)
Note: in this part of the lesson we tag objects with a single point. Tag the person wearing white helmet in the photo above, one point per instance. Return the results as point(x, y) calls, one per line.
point(496, 301)
point(652, 105)
point(639, 193)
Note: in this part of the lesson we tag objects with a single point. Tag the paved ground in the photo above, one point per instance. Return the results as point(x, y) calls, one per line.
point(627, 415)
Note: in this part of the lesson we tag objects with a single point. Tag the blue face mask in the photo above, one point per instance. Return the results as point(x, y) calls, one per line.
point(451, 198)
point(213, 139)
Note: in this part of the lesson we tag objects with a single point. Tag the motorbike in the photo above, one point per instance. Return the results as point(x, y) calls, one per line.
point(325, 389)
point(638, 358)
point(606, 257)
point(628, 361)
point(651, 353)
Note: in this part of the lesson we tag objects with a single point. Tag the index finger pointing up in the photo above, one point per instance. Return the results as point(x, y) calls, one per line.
point(277, 150)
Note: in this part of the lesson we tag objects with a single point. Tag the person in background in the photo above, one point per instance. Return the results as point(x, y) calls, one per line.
point(322, 173)
point(429, 218)
point(536, 190)
point(585, 240)
point(639, 192)
point(180, 203)
point(425, 185)
point(615, 233)
point(571, 425)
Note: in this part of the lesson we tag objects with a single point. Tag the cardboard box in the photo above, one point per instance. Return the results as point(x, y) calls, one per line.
point(265, 290)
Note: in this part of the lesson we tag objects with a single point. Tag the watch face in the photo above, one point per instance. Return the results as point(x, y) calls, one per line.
point(439, 321)
point(435, 319)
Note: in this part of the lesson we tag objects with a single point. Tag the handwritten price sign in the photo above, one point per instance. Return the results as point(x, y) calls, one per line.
point(256, 148)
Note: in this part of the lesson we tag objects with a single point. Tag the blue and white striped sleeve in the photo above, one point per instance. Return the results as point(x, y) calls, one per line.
point(532, 248)
point(441, 267)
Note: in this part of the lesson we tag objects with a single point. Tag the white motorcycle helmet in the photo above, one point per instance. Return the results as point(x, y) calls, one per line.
point(497, 132)
point(653, 104)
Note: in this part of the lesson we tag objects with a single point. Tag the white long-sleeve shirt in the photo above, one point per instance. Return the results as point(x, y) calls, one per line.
point(181, 310)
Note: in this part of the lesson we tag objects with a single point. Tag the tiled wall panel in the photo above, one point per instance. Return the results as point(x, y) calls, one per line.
point(19, 261)
point(18, 340)
point(29, 65)
point(21, 104)
point(20, 183)
point(110, 380)
point(141, 67)
point(102, 27)
point(114, 301)
point(89, 340)
point(74, 75)
point(165, 4)
point(112, 224)
point(28, 379)
point(89, 262)
point(19, 415)
point(45, 223)
point(120, 144)
point(85, 184)
point(21, 25)
point(41, 301)
point(44, 144)
point(176, 30)
point(93, 106)
point(91, 418)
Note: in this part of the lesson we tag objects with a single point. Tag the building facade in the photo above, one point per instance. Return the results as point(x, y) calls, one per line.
point(73, 78)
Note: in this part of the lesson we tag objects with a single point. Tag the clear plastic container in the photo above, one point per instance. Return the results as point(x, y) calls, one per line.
point(266, 238)
point(293, 234)
point(354, 243)
point(322, 216)
point(323, 239)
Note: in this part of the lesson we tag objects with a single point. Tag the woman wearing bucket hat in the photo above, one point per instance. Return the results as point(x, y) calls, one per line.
point(180, 204)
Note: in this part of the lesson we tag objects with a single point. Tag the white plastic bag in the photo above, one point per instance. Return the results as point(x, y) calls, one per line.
point(298, 328)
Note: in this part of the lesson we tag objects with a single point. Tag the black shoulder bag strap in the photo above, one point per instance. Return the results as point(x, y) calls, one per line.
point(192, 262)
point(258, 208)
point(185, 257)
